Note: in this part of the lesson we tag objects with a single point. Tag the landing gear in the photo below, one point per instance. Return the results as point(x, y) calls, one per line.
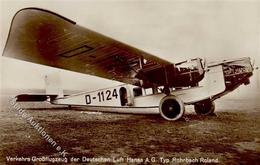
point(205, 107)
point(171, 108)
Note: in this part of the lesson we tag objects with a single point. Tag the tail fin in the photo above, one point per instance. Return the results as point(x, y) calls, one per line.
point(53, 84)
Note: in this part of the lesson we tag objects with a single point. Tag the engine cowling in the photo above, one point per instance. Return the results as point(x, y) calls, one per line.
point(171, 108)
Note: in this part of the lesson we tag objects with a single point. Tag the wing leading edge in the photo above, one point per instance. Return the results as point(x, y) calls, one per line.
point(43, 37)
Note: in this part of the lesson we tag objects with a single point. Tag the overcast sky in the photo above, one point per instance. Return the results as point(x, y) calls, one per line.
point(173, 30)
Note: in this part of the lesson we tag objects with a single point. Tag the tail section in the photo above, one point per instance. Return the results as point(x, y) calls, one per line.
point(53, 88)
point(53, 84)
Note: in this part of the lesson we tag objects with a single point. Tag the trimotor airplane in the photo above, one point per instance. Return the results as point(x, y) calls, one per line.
point(151, 85)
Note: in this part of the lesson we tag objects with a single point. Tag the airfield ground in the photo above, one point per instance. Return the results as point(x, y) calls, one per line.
point(230, 137)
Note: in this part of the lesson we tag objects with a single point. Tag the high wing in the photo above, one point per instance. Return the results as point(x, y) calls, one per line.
point(43, 37)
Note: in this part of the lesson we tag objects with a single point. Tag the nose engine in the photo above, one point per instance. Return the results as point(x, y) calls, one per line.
point(237, 72)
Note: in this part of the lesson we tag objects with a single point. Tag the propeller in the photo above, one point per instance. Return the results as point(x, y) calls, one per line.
point(205, 65)
point(253, 64)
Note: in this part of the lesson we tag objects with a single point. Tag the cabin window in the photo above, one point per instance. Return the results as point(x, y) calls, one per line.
point(123, 96)
point(137, 92)
point(149, 91)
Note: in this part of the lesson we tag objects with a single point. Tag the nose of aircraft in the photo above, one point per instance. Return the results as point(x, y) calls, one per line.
point(237, 71)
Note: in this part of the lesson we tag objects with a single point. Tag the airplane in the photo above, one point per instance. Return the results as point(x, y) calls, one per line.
point(151, 85)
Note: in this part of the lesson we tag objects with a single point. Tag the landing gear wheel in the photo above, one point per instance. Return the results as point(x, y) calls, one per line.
point(206, 107)
point(171, 108)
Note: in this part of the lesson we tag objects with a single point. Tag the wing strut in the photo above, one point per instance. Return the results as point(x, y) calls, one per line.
point(141, 65)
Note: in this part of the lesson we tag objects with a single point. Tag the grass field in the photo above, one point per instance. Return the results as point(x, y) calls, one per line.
point(231, 137)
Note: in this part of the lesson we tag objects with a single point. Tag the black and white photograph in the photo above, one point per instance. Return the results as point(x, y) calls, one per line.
point(130, 82)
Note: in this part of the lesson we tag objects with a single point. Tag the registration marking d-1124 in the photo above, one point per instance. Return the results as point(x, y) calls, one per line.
point(102, 96)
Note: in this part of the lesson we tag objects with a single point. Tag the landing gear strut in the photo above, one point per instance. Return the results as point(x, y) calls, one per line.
point(205, 107)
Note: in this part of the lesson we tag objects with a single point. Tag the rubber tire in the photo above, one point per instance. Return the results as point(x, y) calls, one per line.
point(171, 108)
point(206, 107)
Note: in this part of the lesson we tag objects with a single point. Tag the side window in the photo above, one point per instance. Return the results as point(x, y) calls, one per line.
point(137, 92)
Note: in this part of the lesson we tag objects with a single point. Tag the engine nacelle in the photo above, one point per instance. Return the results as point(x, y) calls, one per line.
point(171, 108)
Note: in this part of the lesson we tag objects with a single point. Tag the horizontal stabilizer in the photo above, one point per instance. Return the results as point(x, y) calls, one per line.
point(34, 98)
